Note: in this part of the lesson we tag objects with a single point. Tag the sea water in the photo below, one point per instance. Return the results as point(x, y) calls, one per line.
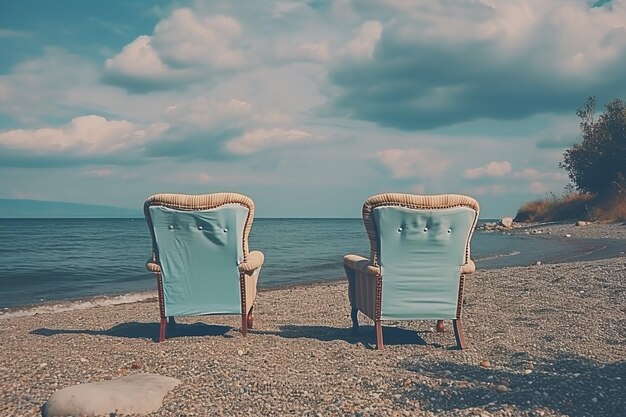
point(43, 260)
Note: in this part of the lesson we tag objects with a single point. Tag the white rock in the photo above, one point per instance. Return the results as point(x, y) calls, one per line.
point(568, 235)
point(506, 222)
point(132, 394)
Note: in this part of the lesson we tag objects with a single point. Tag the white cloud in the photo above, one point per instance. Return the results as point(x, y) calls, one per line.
point(183, 49)
point(140, 62)
point(260, 139)
point(316, 51)
point(362, 46)
point(292, 50)
point(527, 174)
point(492, 169)
point(83, 136)
point(408, 163)
point(532, 174)
point(99, 173)
point(282, 8)
point(539, 187)
point(204, 113)
point(38, 88)
point(185, 40)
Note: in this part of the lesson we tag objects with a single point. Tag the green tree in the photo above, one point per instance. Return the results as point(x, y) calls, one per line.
point(598, 164)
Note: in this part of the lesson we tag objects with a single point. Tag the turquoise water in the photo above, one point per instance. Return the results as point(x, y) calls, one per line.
point(60, 259)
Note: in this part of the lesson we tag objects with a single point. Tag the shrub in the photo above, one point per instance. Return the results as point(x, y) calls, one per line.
point(575, 207)
point(598, 164)
point(570, 206)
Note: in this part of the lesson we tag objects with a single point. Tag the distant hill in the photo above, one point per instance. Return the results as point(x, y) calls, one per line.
point(13, 208)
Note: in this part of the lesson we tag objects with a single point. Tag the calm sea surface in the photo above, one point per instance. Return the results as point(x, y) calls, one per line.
point(45, 260)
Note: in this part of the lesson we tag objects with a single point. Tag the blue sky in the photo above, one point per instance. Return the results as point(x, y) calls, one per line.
point(307, 107)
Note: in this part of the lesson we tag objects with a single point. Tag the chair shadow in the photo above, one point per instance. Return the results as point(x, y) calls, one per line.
point(366, 335)
point(137, 330)
point(565, 383)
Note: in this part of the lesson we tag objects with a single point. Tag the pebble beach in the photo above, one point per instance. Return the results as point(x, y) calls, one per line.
point(543, 340)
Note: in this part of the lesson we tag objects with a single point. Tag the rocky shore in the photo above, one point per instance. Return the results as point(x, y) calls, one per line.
point(544, 340)
point(579, 229)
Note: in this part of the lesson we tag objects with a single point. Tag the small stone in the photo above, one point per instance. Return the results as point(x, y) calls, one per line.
point(528, 371)
point(501, 388)
point(240, 352)
point(83, 360)
point(43, 365)
point(538, 263)
point(485, 363)
point(136, 365)
point(594, 400)
point(568, 235)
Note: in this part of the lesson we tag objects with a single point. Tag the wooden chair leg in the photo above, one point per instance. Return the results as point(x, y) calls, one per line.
point(250, 320)
point(379, 335)
point(355, 320)
point(440, 326)
point(458, 333)
point(162, 329)
point(163, 326)
point(244, 324)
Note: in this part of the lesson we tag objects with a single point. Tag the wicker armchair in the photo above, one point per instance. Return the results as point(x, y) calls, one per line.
point(200, 255)
point(420, 252)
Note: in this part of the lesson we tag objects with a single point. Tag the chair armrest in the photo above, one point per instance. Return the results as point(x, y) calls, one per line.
point(468, 268)
point(359, 263)
point(253, 261)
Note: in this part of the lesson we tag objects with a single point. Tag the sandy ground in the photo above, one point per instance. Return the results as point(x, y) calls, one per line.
point(544, 340)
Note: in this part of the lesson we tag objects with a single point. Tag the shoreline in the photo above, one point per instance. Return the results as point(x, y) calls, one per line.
point(590, 235)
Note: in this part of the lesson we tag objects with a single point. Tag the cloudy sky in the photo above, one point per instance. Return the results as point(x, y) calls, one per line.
point(307, 107)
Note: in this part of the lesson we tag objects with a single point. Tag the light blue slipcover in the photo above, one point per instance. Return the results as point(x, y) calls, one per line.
point(421, 252)
point(199, 253)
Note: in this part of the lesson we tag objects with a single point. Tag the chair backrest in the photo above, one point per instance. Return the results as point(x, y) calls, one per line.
point(420, 244)
point(199, 241)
